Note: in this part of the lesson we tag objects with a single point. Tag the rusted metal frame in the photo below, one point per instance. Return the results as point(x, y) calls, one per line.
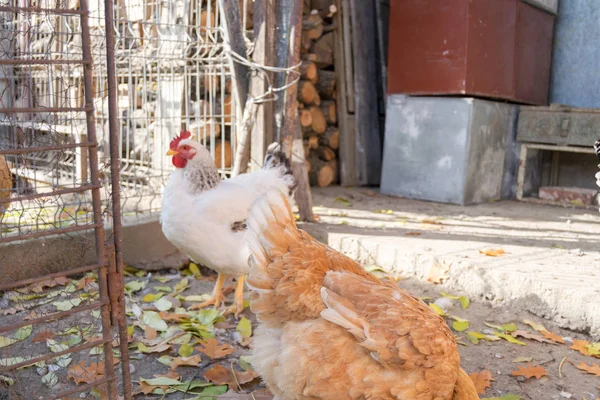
point(70, 350)
point(61, 192)
point(54, 316)
point(117, 275)
point(25, 282)
point(39, 149)
point(50, 232)
point(40, 10)
point(31, 61)
point(109, 373)
point(83, 388)
point(42, 109)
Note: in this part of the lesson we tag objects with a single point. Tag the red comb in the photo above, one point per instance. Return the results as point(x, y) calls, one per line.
point(182, 135)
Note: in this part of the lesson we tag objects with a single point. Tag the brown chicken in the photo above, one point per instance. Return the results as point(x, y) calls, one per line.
point(330, 330)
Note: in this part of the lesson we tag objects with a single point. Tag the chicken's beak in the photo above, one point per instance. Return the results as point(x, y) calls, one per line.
point(172, 152)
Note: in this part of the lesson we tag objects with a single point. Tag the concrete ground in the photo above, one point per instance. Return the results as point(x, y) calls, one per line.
point(551, 265)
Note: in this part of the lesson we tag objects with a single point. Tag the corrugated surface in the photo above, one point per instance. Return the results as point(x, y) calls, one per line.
point(575, 77)
point(496, 49)
point(450, 150)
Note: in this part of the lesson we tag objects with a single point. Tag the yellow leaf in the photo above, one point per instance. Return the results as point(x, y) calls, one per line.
point(151, 297)
point(244, 327)
point(510, 339)
point(594, 349)
point(185, 350)
point(195, 270)
point(475, 337)
point(492, 252)
point(460, 326)
point(437, 309)
point(464, 302)
point(535, 325)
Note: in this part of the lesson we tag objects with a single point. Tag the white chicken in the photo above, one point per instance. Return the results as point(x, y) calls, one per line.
point(205, 217)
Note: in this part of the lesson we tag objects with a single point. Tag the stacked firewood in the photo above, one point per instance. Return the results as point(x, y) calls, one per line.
point(317, 93)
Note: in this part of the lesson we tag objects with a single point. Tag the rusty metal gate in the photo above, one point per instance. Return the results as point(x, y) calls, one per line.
point(63, 332)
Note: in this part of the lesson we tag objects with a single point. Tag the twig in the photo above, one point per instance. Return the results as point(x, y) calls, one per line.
point(237, 382)
point(560, 367)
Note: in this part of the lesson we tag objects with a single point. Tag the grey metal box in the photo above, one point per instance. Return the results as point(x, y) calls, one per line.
point(452, 150)
point(559, 125)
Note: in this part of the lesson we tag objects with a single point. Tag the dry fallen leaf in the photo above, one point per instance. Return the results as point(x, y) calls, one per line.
point(87, 373)
point(523, 359)
point(492, 252)
point(482, 380)
point(213, 349)
point(220, 375)
point(593, 369)
point(530, 371)
point(581, 346)
point(150, 333)
point(535, 325)
point(532, 336)
point(42, 336)
point(192, 361)
point(554, 337)
point(438, 271)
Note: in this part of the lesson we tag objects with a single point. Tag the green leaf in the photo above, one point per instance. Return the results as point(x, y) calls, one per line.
point(195, 270)
point(161, 381)
point(63, 361)
point(55, 347)
point(191, 386)
point(437, 309)
point(185, 350)
point(182, 339)
point(165, 360)
point(464, 302)
point(134, 286)
point(50, 379)
point(182, 285)
point(505, 397)
point(151, 297)
point(506, 328)
point(213, 391)
point(510, 339)
point(66, 305)
point(209, 317)
point(9, 381)
point(24, 332)
point(475, 337)
point(594, 349)
point(373, 268)
point(165, 289)
point(246, 362)
point(342, 201)
point(96, 351)
point(7, 362)
point(444, 294)
point(154, 321)
point(163, 279)
point(460, 326)
point(163, 304)
point(6, 341)
point(200, 297)
point(244, 327)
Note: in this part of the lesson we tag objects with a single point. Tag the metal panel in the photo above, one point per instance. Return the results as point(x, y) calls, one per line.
point(494, 49)
point(559, 126)
point(446, 149)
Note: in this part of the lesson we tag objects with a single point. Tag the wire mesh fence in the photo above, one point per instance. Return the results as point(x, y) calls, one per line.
point(172, 73)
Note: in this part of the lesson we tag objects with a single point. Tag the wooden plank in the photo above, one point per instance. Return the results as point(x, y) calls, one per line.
point(347, 153)
point(262, 131)
point(346, 24)
point(368, 139)
point(290, 23)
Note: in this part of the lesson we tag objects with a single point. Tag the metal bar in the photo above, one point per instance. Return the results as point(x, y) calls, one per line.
point(50, 356)
point(59, 315)
point(83, 388)
point(39, 149)
point(36, 235)
point(79, 189)
point(25, 282)
point(14, 110)
point(41, 10)
point(571, 149)
point(29, 61)
point(109, 372)
point(116, 194)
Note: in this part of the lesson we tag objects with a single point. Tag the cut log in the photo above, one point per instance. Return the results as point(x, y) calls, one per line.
point(306, 43)
point(331, 138)
point(325, 153)
point(326, 84)
point(313, 142)
point(322, 173)
point(308, 71)
point(306, 118)
point(319, 123)
point(219, 156)
point(308, 94)
point(320, 60)
point(313, 26)
point(227, 110)
point(330, 111)
point(323, 49)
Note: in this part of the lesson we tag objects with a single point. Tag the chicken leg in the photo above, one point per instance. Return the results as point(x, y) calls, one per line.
point(238, 305)
point(217, 295)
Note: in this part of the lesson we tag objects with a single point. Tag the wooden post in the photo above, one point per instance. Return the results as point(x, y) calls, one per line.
point(262, 131)
point(290, 23)
point(234, 36)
